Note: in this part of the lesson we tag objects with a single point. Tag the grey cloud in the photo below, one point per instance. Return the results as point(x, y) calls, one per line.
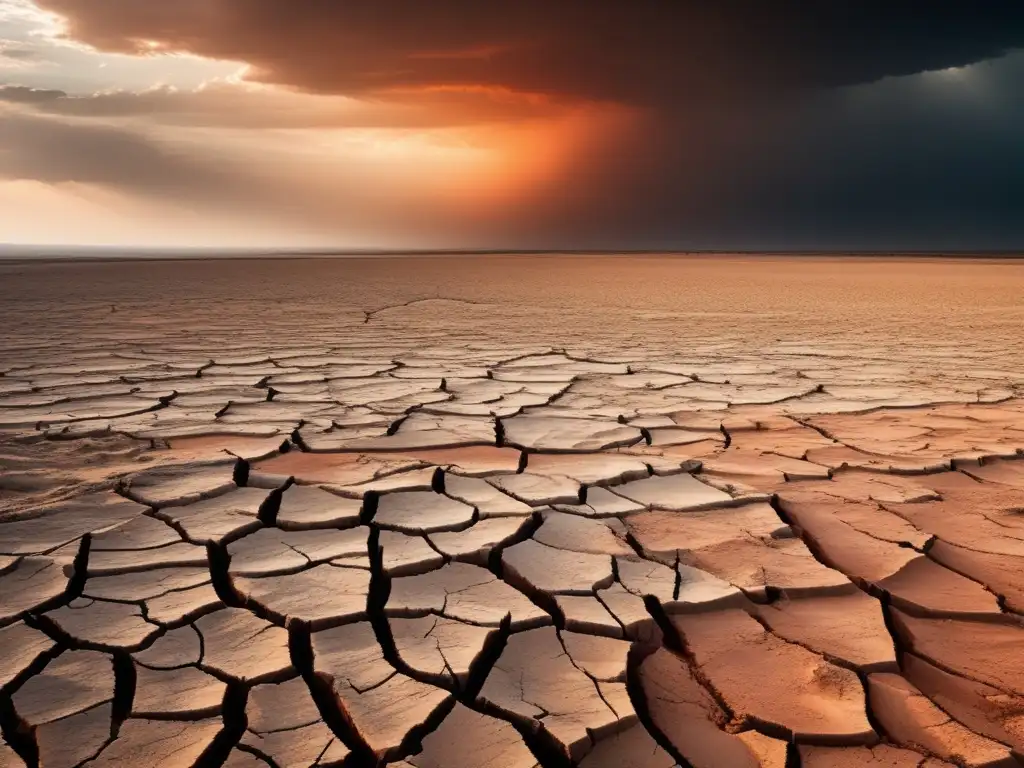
point(212, 178)
point(54, 151)
point(19, 94)
point(16, 52)
point(231, 105)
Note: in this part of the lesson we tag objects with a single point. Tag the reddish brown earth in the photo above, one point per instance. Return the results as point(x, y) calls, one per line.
point(309, 514)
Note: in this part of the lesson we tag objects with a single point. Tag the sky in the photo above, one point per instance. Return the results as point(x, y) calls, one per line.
point(526, 124)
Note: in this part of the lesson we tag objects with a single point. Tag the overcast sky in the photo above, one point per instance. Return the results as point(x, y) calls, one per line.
point(844, 124)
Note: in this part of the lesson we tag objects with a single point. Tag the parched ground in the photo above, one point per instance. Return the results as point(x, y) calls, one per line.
point(492, 514)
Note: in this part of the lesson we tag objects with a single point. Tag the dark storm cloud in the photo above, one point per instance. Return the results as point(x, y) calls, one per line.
point(926, 162)
point(651, 52)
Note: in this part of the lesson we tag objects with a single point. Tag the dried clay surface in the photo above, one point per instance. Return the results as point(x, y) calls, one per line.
point(488, 513)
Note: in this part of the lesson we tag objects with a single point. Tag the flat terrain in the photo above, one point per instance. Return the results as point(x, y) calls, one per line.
point(512, 511)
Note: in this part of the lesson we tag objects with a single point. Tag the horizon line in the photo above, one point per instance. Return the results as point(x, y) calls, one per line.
point(11, 252)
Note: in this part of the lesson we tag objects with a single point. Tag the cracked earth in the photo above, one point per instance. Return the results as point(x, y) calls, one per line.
point(256, 531)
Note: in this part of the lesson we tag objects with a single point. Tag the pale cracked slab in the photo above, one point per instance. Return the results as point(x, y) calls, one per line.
point(182, 484)
point(913, 580)
point(110, 562)
point(183, 605)
point(592, 469)
point(309, 745)
point(469, 461)
point(1003, 574)
point(488, 500)
point(222, 518)
point(469, 739)
point(601, 503)
point(973, 515)
point(632, 748)
point(242, 646)
point(539, 490)
point(747, 546)
point(146, 585)
point(423, 430)
point(759, 471)
point(646, 577)
point(351, 657)
point(985, 710)
point(74, 682)
point(284, 723)
point(536, 567)
point(182, 693)
point(924, 585)
point(335, 469)
point(419, 479)
point(280, 706)
point(45, 528)
point(441, 649)
point(159, 743)
point(857, 485)
point(9, 758)
point(910, 719)
point(177, 648)
point(20, 647)
point(673, 492)
point(757, 565)
point(422, 512)
point(322, 595)
point(984, 651)
point(688, 715)
point(765, 679)
point(103, 623)
point(389, 712)
point(464, 592)
point(306, 507)
point(874, 520)
point(628, 609)
point(475, 544)
point(580, 534)
point(662, 534)
point(544, 433)
point(845, 548)
point(407, 555)
point(67, 742)
point(30, 584)
point(881, 756)
point(271, 551)
point(585, 613)
point(602, 658)
point(678, 589)
point(140, 533)
point(848, 628)
point(536, 682)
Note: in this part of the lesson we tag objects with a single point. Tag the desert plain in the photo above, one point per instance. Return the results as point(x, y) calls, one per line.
point(512, 511)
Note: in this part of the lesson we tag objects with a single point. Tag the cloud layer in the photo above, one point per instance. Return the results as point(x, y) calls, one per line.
point(589, 124)
point(641, 52)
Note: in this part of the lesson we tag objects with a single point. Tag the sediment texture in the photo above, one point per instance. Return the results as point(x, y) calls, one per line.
point(405, 534)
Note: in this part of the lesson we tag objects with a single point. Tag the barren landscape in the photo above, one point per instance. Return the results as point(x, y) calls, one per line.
point(508, 512)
